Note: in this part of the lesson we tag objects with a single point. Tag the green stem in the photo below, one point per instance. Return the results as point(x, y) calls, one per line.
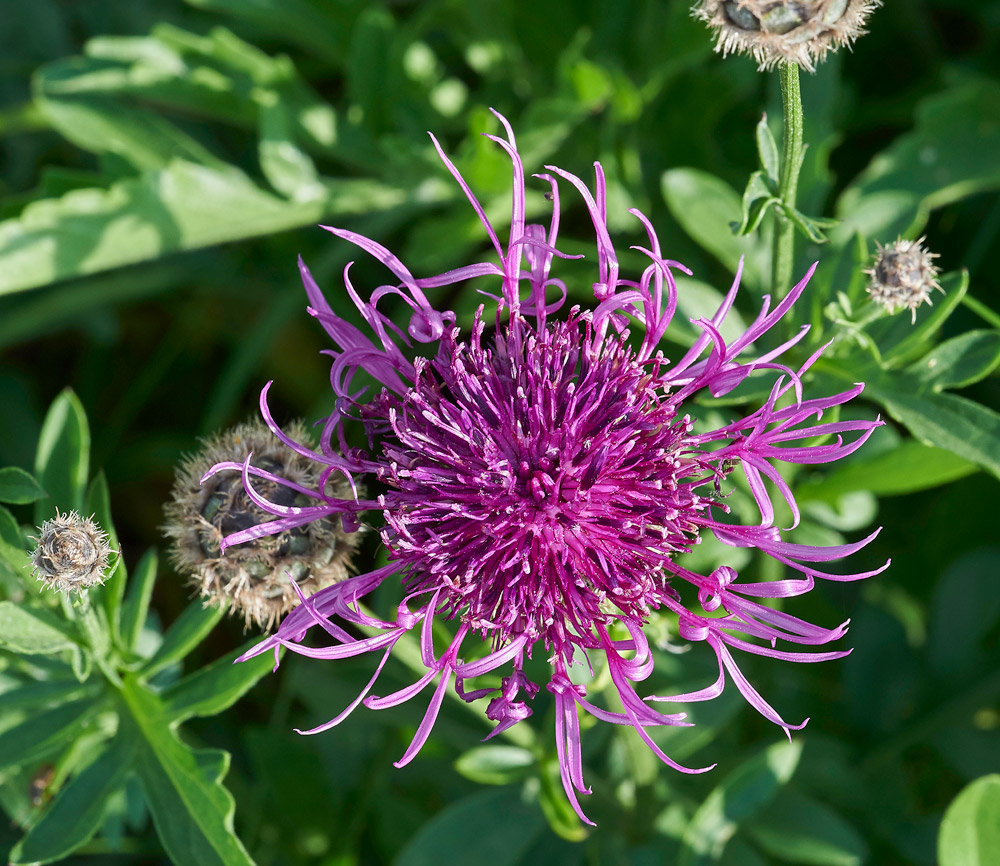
point(981, 310)
point(783, 253)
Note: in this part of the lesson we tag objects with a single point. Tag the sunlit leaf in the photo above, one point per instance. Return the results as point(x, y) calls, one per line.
point(970, 831)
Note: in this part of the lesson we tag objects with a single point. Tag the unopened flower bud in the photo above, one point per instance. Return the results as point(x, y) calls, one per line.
point(256, 576)
point(72, 553)
point(799, 31)
point(903, 276)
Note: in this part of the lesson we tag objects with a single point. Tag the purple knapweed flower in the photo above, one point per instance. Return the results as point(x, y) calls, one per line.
point(543, 481)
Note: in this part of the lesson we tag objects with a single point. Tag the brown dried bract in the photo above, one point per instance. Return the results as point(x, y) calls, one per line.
point(72, 553)
point(774, 31)
point(254, 577)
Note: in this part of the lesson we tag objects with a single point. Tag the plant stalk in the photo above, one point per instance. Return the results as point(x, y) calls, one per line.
point(783, 251)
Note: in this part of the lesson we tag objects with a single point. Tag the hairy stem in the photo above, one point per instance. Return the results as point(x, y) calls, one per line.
point(783, 253)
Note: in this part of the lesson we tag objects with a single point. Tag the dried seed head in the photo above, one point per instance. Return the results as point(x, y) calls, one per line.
point(72, 553)
point(799, 31)
point(254, 576)
point(903, 276)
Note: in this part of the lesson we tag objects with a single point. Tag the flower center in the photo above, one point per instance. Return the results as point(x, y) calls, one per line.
point(540, 482)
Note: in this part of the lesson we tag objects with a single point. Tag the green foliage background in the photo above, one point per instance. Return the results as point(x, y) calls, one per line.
point(161, 165)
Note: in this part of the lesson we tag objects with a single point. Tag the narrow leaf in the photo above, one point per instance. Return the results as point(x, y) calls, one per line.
point(19, 487)
point(138, 594)
point(767, 150)
point(970, 831)
point(78, 810)
point(798, 829)
point(44, 732)
point(186, 632)
point(705, 207)
point(742, 794)
point(960, 361)
point(109, 595)
point(495, 765)
point(467, 833)
point(216, 686)
point(63, 456)
point(192, 812)
point(32, 630)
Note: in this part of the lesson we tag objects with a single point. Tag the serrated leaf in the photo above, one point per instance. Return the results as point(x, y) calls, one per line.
point(970, 831)
point(192, 812)
point(767, 151)
point(215, 687)
point(795, 828)
point(467, 833)
point(184, 634)
point(19, 487)
point(742, 794)
point(78, 810)
point(495, 765)
point(705, 207)
point(44, 732)
point(31, 630)
point(960, 361)
point(181, 207)
point(63, 457)
point(138, 593)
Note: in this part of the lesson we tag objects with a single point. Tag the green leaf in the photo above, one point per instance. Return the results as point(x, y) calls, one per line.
point(558, 811)
point(63, 456)
point(186, 632)
point(757, 198)
point(109, 595)
point(44, 732)
point(741, 795)
point(960, 646)
point(18, 487)
point(705, 207)
point(216, 686)
point(102, 124)
point(811, 227)
point(970, 831)
point(192, 812)
point(138, 593)
point(286, 166)
point(495, 765)
point(78, 810)
point(183, 206)
point(32, 630)
point(798, 829)
point(952, 152)
point(35, 694)
point(767, 150)
point(940, 420)
point(960, 361)
point(900, 341)
point(467, 833)
point(890, 473)
point(698, 300)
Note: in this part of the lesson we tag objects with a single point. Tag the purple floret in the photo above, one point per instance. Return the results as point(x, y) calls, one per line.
point(543, 481)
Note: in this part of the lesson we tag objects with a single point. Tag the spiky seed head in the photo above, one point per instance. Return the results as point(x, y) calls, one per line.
point(799, 31)
point(903, 275)
point(72, 553)
point(254, 577)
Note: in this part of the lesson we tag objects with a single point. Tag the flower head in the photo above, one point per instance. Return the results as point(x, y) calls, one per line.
point(72, 553)
point(544, 479)
point(775, 31)
point(903, 276)
point(256, 577)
